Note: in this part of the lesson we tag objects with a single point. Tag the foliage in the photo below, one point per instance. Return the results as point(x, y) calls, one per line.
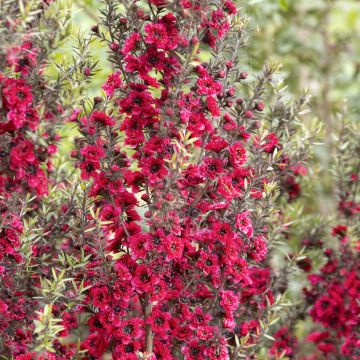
point(157, 187)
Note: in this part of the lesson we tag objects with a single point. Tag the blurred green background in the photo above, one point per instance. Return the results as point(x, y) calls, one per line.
point(318, 44)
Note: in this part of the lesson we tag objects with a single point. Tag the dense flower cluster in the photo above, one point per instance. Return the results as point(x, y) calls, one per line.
point(335, 290)
point(331, 299)
point(22, 171)
point(27, 142)
point(334, 297)
point(161, 246)
point(21, 157)
point(184, 206)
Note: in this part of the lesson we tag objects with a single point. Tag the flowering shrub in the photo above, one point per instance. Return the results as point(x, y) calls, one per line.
point(31, 109)
point(27, 141)
point(155, 241)
point(334, 292)
point(330, 299)
point(184, 163)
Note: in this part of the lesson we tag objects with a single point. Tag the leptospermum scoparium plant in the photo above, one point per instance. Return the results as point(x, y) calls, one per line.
point(183, 163)
point(27, 141)
point(161, 248)
point(331, 297)
point(31, 108)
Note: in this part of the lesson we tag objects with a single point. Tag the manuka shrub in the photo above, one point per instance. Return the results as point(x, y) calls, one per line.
point(331, 297)
point(31, 109)
point(154, 238)
point(184, 157)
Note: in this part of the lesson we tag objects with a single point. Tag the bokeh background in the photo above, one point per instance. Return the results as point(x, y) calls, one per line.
point(318, 44)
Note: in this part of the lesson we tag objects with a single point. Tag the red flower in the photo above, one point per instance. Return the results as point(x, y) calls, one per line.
point(244, 224)
point(92, 153)
point(208, 263)
point(193, 351)
point(154, 169)
point(129, 330)
point(284, 343)
point(100, 297)
point(268, 144)
point(144, 280)
point(23, 57)
point(131, 43)
point(138, 245)
point(229, 301)
point(159, 321)
point(99, 117)
point(174, 247)
point(22, 155)
point(88, 169)
point(3, 307)
point(212, 167)
point(217, 143)
point(16, 94)
point(205, 332)
point(95, 344)
point(207, 86)
point(112, 83)
point(259, 249)
point(212, 105)
point(237, 154)
point(230, 7)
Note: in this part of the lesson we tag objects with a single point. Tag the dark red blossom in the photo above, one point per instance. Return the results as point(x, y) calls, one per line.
point(284, 343)
point(99, 117)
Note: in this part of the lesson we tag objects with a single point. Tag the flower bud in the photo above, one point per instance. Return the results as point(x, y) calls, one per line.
point(260, 106)
point(95, 29)
point(230, 92)
point(169, 197)
point(158, 205)
point(249, 114)
point(229, 64)
point(114, 46)
point(87, 71)
point(115, 168)
point(145, 197)
point(97, 100)
point(194, 40)
point(74, 153)
point(243, 75)
point(169, 111)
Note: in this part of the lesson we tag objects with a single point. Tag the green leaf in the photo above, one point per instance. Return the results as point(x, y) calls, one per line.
point(269, 337)
point(284, 5)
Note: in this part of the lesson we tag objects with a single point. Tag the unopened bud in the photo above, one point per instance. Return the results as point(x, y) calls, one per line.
point(95, 29)
point(97, 100)
point(243, 75)
point(221, 74)
point(229, 64)
point(249, 114)
point(260, 106)
point(114, 46)
point(145, 197)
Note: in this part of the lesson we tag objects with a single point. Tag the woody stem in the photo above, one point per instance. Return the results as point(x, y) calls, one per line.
point(148, 333)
